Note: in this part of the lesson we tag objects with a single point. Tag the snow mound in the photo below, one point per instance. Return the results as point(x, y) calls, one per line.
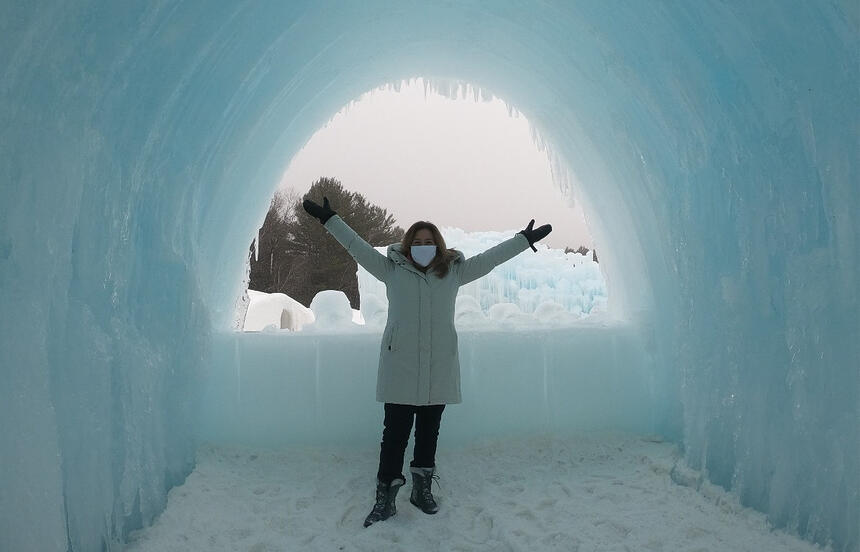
point(267, 311)
point(332, 311)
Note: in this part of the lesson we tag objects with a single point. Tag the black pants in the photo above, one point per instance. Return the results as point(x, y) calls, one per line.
point(395, 437)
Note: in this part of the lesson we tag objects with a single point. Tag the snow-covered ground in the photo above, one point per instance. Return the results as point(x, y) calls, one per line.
point(593, 492)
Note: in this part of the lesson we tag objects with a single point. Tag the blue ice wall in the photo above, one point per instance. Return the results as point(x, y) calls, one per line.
point(284, 389)
point(716, 146)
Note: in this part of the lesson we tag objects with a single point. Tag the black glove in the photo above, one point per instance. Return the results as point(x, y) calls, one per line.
point(534, 235)
point(323, 213)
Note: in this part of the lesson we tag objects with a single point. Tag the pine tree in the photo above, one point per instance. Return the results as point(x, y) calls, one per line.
point(299, 257)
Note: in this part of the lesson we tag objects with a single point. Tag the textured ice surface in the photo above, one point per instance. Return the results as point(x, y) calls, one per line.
point(713, 147)
point(547, 286)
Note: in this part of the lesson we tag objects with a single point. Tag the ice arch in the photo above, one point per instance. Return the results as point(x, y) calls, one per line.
point(715, 143)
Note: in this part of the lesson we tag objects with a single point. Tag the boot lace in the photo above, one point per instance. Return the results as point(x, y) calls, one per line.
point(427, 483)
point(381, 503)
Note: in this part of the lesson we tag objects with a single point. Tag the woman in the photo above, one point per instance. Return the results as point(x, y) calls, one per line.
point(419, 370)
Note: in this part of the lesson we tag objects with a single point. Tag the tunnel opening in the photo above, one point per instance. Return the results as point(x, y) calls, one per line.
point(452, 153)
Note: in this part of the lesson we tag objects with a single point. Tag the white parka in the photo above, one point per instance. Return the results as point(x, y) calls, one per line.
point(418, 358)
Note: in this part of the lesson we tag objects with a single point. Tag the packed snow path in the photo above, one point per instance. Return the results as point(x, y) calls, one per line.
point(584, 493)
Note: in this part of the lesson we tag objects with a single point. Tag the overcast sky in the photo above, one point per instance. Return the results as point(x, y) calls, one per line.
point(453, 162)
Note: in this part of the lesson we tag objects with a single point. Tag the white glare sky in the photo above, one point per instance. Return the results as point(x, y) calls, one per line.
point(453, 162)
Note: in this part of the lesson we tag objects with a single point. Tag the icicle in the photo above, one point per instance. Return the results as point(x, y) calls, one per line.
point(237, 359)
point(547, 419)
point(317, 384)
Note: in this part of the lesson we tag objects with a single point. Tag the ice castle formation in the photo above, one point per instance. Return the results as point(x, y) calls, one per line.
point(550, 287)
point(714, 146)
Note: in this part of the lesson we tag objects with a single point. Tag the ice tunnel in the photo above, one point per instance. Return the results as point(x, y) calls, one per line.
point(716, 150)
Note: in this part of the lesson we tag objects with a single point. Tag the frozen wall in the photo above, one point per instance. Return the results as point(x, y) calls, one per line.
point(715, 146)
point(278, 389)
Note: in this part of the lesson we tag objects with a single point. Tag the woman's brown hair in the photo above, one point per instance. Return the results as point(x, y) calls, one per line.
point(444, 256)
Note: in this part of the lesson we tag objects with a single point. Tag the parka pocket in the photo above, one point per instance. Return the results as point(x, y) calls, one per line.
point(390, 344)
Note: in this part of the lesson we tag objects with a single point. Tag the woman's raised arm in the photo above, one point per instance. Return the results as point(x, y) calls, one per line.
point(481, 264)
point(364, 254)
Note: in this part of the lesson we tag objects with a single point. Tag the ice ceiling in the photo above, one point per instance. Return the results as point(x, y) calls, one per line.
point(715, 145)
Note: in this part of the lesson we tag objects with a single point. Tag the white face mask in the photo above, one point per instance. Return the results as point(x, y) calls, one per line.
point(423, 254)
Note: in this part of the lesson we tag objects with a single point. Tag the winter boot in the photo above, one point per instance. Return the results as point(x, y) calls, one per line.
point(385, 507)
point(421, 496)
